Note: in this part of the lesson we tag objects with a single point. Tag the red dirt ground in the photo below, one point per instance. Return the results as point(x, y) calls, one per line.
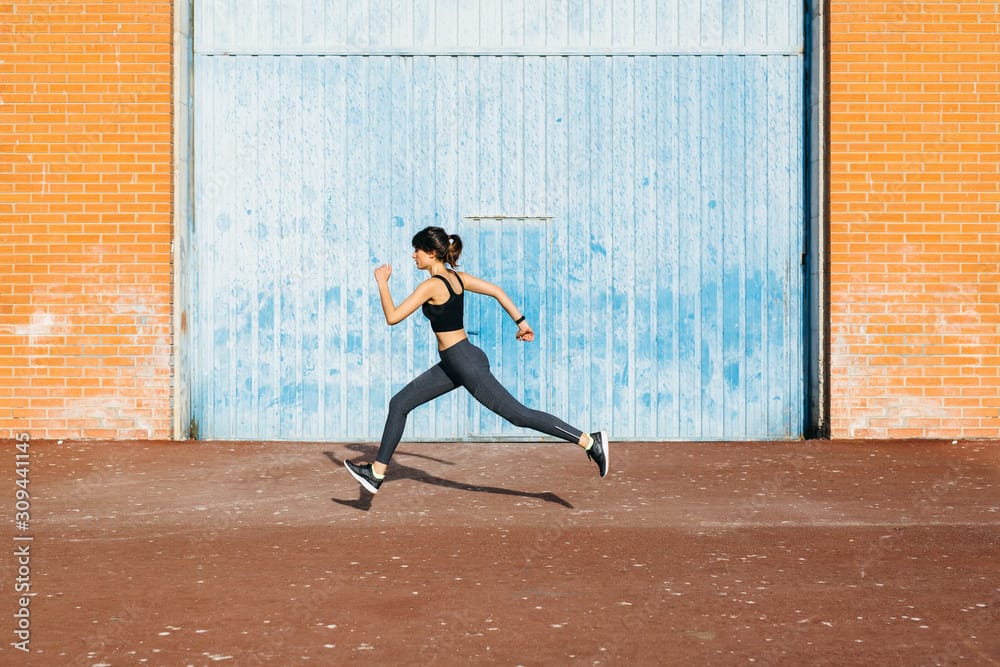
point(801, 553)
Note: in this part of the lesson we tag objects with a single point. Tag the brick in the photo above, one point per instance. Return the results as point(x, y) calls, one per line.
point(83, 95)
point(923, 98)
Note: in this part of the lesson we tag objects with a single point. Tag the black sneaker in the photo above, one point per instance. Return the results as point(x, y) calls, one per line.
point(364, 475)
point(598, 451)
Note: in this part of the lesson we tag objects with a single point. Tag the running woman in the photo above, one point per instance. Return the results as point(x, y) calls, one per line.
point(441, 298)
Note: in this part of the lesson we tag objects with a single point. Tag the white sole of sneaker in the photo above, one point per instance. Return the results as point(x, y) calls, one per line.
point(607, 453)
point(361, 480)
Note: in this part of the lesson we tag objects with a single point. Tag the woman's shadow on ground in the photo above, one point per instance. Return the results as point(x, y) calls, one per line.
point(402, 471)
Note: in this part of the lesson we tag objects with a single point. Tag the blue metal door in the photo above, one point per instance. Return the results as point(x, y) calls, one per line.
point(631, 173)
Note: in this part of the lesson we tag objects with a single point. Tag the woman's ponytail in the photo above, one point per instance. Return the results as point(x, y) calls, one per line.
point(454, 249)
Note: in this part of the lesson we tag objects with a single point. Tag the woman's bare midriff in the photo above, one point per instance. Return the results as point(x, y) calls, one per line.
point(448, 338)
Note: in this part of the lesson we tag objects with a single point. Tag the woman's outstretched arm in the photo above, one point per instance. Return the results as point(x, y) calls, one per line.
point(480, 286)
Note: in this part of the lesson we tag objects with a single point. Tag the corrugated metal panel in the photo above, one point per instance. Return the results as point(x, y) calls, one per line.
point(657, 249)
point(543, 26)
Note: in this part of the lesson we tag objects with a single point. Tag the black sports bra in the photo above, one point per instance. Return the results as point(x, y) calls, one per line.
point(448, 316)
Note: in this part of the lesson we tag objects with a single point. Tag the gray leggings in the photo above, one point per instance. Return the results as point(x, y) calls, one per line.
point(465, 365)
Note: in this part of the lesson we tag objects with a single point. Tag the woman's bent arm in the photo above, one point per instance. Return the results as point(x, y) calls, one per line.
point(396, 314)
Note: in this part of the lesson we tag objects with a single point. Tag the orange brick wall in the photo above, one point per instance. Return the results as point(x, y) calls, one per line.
point(914, 226)
point(85, 218)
